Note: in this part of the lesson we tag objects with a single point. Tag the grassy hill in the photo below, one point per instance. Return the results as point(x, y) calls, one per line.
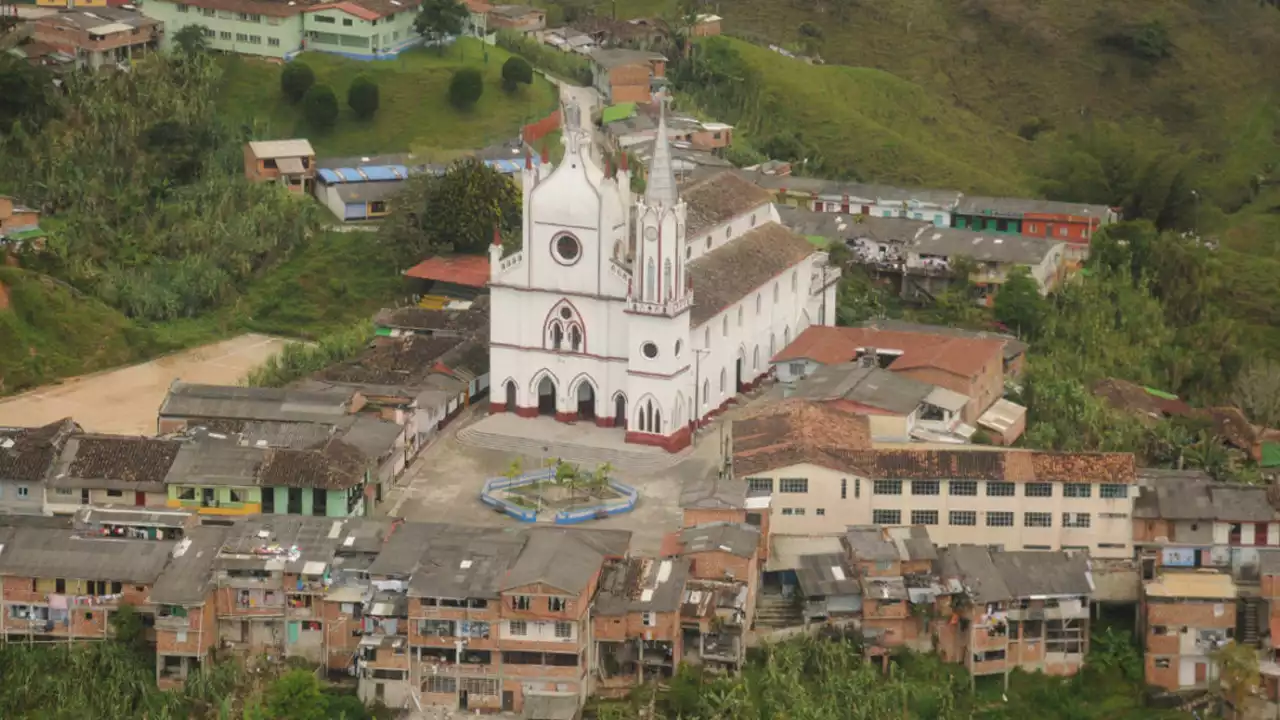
point(414, 112)
point(48, 331)
point(889, 129)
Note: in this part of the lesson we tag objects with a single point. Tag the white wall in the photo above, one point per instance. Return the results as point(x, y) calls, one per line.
point(856, 508)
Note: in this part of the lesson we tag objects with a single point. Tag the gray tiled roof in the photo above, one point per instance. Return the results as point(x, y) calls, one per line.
point(871, 386)
point(993, 576)
point(52, 552)
point(735, 538)
point(642, 584)
point(190, 574)
point(996, 247)
point(190, 400)
point(818, 576)
point(556, 558)
point(713, 491)
point(216, 462)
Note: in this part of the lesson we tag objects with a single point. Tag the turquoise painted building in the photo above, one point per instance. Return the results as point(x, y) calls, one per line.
point(356, 30)
point(359, 29)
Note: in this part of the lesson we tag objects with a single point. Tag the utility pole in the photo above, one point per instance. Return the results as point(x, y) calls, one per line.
point(697, 407)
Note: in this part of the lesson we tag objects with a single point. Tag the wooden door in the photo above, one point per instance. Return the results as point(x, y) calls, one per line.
point(139, 499)
point(1202, 673)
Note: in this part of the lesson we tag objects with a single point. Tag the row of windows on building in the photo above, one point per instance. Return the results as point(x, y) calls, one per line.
point(227, 15)
point(994, 518)
point(964, 488)
point(240, 37)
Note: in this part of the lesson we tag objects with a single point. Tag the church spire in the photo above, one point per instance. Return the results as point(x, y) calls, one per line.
point(661, 185)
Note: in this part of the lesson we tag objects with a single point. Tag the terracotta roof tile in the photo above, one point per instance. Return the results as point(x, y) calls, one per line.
point(27, 454)
point(964, 357)
point(469, 270)
point(127, 459)
point(795, 431)
point(729, 273)
point(335, 465)
point(720, 198)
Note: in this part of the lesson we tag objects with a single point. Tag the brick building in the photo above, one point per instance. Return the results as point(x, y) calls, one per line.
point(291, 163)
point(103, 36)
point(1014, 610)
point(637, 622)
point(1187, 615)
point(623, 75)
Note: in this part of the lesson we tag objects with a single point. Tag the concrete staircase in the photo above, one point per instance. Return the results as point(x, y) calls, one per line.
point(642, 461)
point(776, 611)
point(1249, 620)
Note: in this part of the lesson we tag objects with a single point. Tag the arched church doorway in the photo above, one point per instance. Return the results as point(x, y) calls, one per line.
point(547, 397)
point(620, 410)
point(586, 401)
point(511, 396)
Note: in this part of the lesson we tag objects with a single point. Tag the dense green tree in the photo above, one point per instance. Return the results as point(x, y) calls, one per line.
point(191, 40)
point(465, 88)
point(362, 97)
point(516, 71)
point(26, 94)
point(1019, 305)
point(153, 214)
point(295, 80)
point(296, 695)
point(439, 19)
point(320, 107)
point(453, 212)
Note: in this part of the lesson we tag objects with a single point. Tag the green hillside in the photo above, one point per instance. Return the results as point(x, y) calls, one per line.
point(883, 128)
point(49, 331)
point(414, 113)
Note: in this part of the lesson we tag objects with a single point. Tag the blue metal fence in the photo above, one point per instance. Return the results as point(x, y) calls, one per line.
point(565, 517)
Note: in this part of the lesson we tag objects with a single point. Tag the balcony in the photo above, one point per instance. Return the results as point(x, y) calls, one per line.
point(172, 622)
point(670, 308)
point(515, 259)
point(620, 272)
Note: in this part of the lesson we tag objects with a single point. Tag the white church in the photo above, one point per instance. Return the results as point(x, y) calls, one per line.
point(644, 313)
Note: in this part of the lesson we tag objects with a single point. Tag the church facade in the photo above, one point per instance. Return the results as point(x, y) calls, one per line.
point(646, 313)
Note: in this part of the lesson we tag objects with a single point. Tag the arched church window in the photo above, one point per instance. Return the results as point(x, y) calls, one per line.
point(728, 232)
point(688, 252)
point(666, 277)
point(651, 280)
point(706, 338)
point(575, 338)
point(657, 420)
point(775, 293)
point(772, 345)
point(679, 347)
point(722, 377)
point(708, 242)
point(757, 303)
point(739, 316)
point(786, 336)
point(794, 278)
point(724, 326)
point(557, 336)
point(755, 358)
point(706, 392)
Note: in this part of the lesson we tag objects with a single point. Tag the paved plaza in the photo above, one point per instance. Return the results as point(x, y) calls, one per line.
point(444, 483)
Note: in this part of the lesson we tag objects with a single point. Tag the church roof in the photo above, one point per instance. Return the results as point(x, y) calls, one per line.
point(718, 199)
point(661, 185)
point(729, 273)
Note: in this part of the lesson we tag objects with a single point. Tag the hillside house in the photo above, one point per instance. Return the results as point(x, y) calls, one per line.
point(1071, 223)
point(103, 36)
point(622, 75)
point(110, 470)
point(969, 367)
point(523, 19)
point(1014, 610)
point(266, 28)
point(931, 256)
point(291, 163)
point(883, 201)
point(1186, 617)
point(27, 459)
point(896, 407)
point(637, 622)
point(706, 25)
